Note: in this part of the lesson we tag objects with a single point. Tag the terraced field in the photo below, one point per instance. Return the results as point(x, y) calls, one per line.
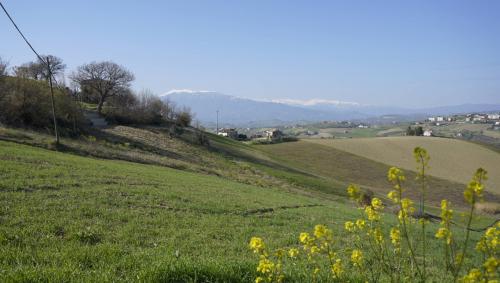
point(451, 159)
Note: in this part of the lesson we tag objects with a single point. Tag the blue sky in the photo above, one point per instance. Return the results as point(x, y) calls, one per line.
point(404, 53)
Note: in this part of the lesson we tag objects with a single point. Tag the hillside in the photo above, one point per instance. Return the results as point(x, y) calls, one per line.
point(451, 159)
point(132, 204)
point(329, 163)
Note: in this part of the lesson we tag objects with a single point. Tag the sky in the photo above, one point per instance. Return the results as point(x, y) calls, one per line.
point(397, 53)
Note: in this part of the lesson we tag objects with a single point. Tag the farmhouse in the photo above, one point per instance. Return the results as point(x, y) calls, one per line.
point(274, 134)
point(428, 133)
point(230, 133)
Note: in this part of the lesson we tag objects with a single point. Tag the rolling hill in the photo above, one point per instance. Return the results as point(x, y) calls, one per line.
point(242, 112)
point(137, 204)
point(451, 159)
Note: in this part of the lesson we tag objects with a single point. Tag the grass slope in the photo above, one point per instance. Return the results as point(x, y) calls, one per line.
point(65, 217)
point(329, 163)
point(451, 159)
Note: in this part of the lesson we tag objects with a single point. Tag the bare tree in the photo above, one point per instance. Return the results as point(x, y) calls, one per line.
point(39, 70)
point(3, 67)
point(106, 79)
point(56, 66)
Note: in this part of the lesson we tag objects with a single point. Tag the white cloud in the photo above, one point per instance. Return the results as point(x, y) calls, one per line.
point(312, 102)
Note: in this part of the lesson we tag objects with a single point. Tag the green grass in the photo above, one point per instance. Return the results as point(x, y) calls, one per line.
point(83, 218)
point(65, 217)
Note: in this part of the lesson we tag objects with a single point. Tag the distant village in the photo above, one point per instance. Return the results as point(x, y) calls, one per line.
point(420, 128)
point(492, 119)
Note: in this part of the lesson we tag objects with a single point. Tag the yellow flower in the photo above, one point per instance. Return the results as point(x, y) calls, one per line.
point(353, 192)
point(315, 250)
point(349, 226)
point(372, 214)
point(293, 252)
point(357, 258)
point(265, 266)
point(395, 174)
point(395, 236)
point(337, 268)
point(256, 244)
point(320, 231)
point(304, 238)
point(491, 265)
point(407, 208)
point(473, 276)
point(259, 279)
point(377, 204)
point(441, 233)
point(377, 235)
point(393, 195)
point(475, 187)
point(360, 223)
point(446, 213)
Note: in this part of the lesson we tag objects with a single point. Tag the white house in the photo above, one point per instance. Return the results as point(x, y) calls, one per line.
point(439, 119)
point(432, 119)
point(494, 116)
point(428, 133)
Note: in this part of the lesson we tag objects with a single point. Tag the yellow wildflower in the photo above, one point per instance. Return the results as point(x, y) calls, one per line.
point(491, 265)
point(360, 223)
point(353, 192)
point(293, 252)
point(446, 213)
point(349, 226)
point(304, 238)
point(337, 268)
point(475, 187)
point(395, 236)
point(357, 258)
point(320, 231)
point(314, 250)
point(265, 266)
point(377, 204)
point(372, 214)
point(395, 174)
point(407, 208)
point(256, 244)
point(441, 233)
point(473, 276)
point(393, 195)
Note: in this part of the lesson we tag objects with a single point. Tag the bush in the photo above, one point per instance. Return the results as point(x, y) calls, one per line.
point(27, 103)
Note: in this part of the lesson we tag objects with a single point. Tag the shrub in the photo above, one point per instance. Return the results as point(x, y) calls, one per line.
point(26, 102)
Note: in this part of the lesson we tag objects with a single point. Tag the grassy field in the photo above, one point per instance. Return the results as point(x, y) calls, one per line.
point(450, 159)
point(328, 163)
point(66, 217)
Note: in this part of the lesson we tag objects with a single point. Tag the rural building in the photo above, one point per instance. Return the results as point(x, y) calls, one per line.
point(274, 134)
point(230, 133)
point(428, 133)
point(494, 116)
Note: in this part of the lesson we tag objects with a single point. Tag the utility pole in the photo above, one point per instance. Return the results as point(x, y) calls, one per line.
point(53, 103)
point(217, 129)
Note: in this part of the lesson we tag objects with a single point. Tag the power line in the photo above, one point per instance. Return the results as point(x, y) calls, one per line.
point(56, 133)
point(21, 33)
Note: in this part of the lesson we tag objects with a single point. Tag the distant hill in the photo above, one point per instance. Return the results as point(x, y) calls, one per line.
point(240, 111)
point(237, 111)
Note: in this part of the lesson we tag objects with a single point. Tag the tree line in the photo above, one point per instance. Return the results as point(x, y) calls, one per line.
point(24, 96)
